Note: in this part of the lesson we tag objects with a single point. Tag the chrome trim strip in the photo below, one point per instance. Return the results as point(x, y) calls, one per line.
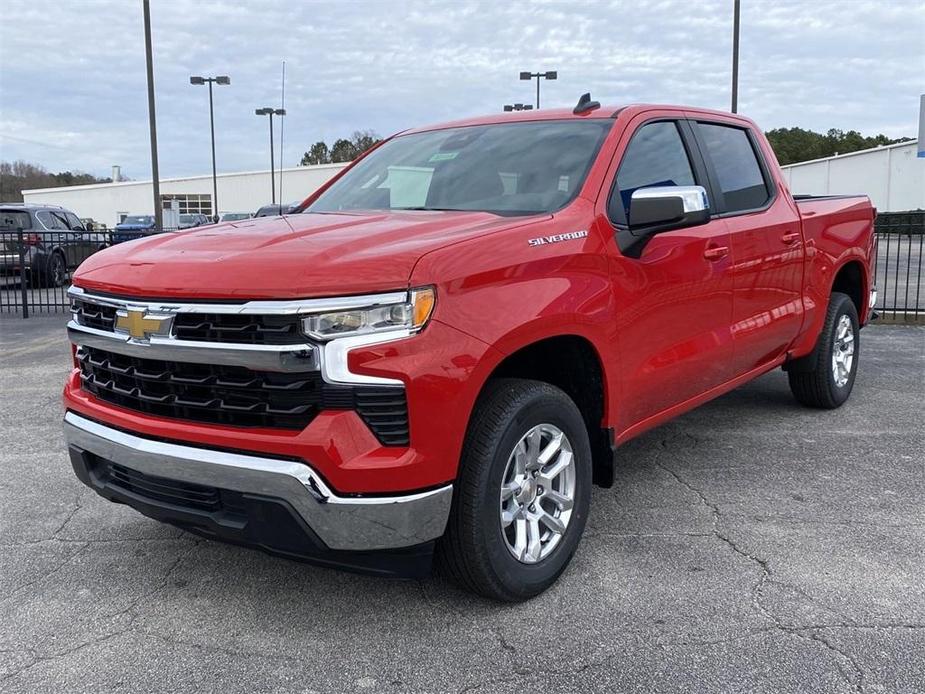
point(873, 298)
point(348, 523)
point(303, 357)
point(257, 307)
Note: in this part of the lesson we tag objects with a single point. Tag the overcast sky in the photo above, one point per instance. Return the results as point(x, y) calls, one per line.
point(72, 72)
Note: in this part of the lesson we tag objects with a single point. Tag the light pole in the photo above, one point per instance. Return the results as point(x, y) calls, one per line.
point(735, 56)
point(223, 79)
point(152, 119)
point(267, 111)
point(518, 107)
point(527, 76)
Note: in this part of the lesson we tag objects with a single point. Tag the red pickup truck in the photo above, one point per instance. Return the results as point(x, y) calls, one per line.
point(439, 352)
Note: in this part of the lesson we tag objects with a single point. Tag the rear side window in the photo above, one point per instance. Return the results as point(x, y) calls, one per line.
point(655, 157)
point(736, 165)
point(51, 220)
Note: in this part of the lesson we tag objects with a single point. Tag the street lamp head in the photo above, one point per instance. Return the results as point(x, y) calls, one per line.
point(263, 111)
point(279, 112)
point(526, 76)
point(197, 80)
point(528, 107)
point(223, 79)
point(508, 107)
point(551, 75)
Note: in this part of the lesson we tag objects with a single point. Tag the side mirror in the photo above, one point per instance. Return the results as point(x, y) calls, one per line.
point(661, 208)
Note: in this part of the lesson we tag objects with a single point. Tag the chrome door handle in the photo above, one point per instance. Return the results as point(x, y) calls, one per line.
point(716, 252)
point(792, 237)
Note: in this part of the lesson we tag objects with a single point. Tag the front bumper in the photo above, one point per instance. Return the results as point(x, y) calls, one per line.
point(266, 496)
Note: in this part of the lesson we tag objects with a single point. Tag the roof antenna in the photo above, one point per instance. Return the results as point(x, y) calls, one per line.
point(585, 104)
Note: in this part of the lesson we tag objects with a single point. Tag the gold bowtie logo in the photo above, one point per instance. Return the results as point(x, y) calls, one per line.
point(139, 326)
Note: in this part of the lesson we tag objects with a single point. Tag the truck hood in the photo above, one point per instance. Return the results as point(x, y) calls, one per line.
point(305, 255)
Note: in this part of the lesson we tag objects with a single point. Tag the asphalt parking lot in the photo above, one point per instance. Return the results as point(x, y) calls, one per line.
point(749, 546)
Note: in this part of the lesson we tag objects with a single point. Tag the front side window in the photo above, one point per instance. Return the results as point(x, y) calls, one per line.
point(503, 168)
point(655, 157)
point(736, 164)
point(52, 220)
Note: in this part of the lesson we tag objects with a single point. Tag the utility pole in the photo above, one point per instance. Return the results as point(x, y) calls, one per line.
point(735, 57)
point(152, 120)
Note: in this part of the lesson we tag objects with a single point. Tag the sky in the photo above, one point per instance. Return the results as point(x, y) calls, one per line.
point(73, 92)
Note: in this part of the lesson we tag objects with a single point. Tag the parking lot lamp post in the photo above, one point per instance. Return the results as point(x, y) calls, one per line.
point(222, 79)
point(271, 112)
point(551, 75)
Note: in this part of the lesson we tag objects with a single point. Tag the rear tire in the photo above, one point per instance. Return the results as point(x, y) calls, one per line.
point(828, 384)
point(517, 517)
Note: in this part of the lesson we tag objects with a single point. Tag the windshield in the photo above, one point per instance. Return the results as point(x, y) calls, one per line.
point(187, 218)
point(506, 168)
point(235, 216)
point(138, 219)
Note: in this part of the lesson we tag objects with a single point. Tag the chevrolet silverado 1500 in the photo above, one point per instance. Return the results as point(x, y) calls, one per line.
point(439, 351)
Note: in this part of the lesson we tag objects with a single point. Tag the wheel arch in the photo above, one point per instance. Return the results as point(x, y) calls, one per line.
point(569, 361)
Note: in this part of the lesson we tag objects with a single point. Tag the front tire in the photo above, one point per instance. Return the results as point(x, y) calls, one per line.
point(828, 384)
point(523, 492)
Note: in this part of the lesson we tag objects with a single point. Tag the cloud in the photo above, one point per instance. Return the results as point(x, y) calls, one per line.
point(72, 96)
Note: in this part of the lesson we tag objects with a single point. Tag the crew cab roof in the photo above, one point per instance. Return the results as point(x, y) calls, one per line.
point(607, 111)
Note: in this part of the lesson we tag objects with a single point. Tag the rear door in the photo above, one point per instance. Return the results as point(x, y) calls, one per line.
point(767, 244)
point(674, 294)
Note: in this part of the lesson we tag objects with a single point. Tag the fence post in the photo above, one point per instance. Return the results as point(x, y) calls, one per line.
point(22, 272)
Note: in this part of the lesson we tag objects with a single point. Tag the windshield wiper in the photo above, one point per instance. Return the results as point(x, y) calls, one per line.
point(436, 209)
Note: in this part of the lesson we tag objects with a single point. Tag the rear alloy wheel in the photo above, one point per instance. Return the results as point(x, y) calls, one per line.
point(56, 272)
point(827, 380)
point(521, 499)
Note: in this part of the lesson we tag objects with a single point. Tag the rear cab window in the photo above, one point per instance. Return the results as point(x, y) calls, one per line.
point(738, 170)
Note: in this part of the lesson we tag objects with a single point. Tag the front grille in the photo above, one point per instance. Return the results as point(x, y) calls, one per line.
point(206, 327)
point(236, 396)
point(242, 329)
point(99, 316)
point(186, 495)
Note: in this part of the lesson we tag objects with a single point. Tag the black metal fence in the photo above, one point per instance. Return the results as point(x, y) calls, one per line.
point(35, 267)
point(900, 245)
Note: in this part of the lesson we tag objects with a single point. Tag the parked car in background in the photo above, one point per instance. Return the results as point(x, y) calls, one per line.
point(54, 242)
point(188, 221)
point(134, 227)
point(277, 210)
point(235, 216)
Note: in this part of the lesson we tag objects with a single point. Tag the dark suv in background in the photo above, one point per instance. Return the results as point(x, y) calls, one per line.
point(54, 242)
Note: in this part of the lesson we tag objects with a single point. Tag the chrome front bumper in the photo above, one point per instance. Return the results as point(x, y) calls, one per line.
point(342, 523)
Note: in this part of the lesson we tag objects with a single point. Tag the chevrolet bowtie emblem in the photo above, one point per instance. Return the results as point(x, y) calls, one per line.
point(141, 326)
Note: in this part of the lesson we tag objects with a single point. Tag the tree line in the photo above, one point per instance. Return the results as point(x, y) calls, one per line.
point(793, 145)
point(17, 176)
point(343, 150)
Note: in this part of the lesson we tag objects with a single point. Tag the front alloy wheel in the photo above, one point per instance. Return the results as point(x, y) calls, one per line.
point(521, 498)
point(538, 493)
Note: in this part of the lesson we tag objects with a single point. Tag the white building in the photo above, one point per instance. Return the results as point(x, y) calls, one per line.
point(893, 176)
point(108, 203)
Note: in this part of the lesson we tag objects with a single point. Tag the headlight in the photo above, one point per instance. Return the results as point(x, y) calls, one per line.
point(411, 314)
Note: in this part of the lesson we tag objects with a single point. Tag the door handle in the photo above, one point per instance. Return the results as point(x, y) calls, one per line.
point(791, 237)
point(716, 252)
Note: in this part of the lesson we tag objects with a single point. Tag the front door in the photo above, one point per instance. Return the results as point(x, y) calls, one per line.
point(674, 295)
